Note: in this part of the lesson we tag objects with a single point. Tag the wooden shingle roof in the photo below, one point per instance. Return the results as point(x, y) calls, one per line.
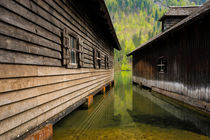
point(182, 11)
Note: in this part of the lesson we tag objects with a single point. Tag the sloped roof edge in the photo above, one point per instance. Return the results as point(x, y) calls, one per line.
point(96, 14)
point(108, 18)
point(179, 11)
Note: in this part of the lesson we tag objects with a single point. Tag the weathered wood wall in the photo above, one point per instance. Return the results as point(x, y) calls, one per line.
point(31, 97)
point(31, 32)
point(34, 86)
point(188, 69)
point(170, 21)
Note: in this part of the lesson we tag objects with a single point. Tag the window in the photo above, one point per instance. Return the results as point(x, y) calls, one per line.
point(106, 62)
point(162, 65)
point(72, 50)
point(97, 58)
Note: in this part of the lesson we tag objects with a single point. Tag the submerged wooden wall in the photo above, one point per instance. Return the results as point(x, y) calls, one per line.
point(34, 86)
point(187, 53)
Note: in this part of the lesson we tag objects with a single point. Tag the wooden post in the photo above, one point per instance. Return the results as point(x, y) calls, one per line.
point(46, 133)
point(110, 84)
point(90, 100)
point(104, 89)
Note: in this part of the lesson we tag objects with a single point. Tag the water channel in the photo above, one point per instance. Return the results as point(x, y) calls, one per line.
point(129, 112)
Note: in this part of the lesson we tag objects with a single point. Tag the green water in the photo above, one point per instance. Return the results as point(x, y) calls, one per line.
point(129, 112)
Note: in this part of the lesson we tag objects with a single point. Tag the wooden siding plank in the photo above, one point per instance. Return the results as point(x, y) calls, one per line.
point(41, 9)
point(16, 96)
point(73, 26)
point(17, 33)
point(13, 44)
point(88, 57)
point(33, 17)
point(20, 58)
point(87, 61)
point(46, 115)
point(60, 14)
point(87, 65)
point(59, 18)
point(9, 110)
point(22, 83)
point(17, 6)
point(33, 113)
point(91, 33)
point(7, 71)
point(30, 6)
point(68, 13)
point(20, 22)
point(87, 52)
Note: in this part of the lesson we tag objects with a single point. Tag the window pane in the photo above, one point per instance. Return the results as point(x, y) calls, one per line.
point(98, 63)
point(162, 65)
point(97, 54)
point(69, 41)
point(73, 57)
point(72, 42)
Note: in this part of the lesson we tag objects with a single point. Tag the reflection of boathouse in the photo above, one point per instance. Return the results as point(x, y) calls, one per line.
point(176, 62)
point(154, 112)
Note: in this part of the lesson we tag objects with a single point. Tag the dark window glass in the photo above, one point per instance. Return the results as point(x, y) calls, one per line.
point(162, 65)
point(98, 60)
point(73, 51)
point(73, 57)
point(72, 42)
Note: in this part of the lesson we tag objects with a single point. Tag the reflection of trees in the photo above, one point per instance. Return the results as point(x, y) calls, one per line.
point(123, 96)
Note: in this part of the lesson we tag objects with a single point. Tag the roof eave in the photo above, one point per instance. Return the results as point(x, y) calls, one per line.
point(108, 18)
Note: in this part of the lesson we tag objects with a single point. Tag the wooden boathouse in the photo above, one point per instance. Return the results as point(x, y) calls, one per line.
point(176, 62)
point(53, 55)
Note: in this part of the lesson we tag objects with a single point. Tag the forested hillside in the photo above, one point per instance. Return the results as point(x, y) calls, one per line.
point(136, 21)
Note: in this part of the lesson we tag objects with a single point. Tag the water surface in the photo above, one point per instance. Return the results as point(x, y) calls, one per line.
point(130, 112)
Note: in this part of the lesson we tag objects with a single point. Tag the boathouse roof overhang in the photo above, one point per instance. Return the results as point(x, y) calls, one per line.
point(96, 12)
point(193, 17)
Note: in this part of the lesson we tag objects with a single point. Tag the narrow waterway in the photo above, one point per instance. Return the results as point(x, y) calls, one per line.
point(129, 112)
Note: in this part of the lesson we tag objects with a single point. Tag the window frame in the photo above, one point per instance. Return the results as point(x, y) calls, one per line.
point(162, 65)
point(106, 62)
point(73, 49)
point(97, 58)
point(69, 49)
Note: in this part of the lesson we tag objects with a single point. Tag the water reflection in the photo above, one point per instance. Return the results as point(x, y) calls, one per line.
point(129, 112)
point(163, 113)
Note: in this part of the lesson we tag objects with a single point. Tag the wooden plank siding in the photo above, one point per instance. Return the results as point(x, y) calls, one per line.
point(34, 84)
point(170, 22)
point(29, 30)
point(187, 52)
point(41, 93)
